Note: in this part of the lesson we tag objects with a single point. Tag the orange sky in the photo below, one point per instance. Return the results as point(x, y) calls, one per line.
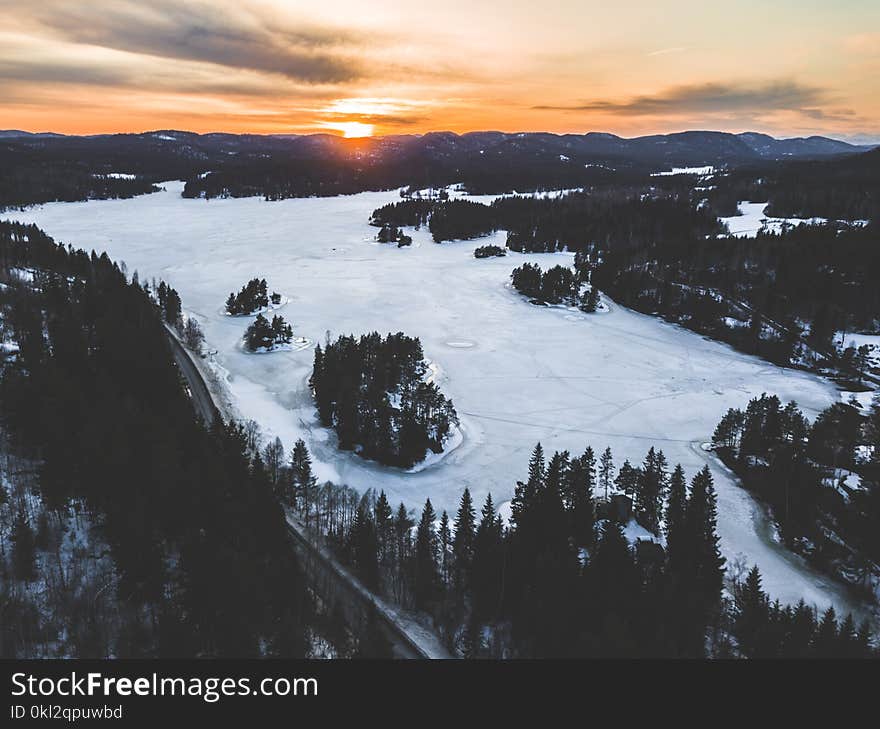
point(383, 67)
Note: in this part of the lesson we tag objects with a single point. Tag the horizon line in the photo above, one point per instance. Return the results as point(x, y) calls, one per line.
point(843, 138)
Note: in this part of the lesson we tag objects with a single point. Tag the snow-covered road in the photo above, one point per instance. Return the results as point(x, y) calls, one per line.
point(516, 373)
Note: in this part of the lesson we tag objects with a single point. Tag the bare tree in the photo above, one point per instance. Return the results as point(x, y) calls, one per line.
point(193, 337)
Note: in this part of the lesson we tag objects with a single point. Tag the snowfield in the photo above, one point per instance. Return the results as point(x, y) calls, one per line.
point(516, 373)
point(751, 220)
point(701, 171)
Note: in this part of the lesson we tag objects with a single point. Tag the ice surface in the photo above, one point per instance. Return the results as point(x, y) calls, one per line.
point(751, 219)
point(517, 373)
point(708, 170)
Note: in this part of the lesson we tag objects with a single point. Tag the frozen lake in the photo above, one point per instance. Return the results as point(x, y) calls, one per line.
point(517, 373)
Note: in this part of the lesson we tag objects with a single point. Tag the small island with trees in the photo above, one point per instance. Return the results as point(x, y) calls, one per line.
point(252, 299)
point(262, 336)
point(489, 251)
point(376, 393)
point(557, 285)
point(392, 234)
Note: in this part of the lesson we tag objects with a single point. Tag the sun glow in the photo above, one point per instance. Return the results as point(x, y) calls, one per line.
point(352, 130)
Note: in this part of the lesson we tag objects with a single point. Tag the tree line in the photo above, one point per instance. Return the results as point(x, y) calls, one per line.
point(575, 221)
point(200, 560)
point(821, 480)
point(778, 295)
point(562, 578)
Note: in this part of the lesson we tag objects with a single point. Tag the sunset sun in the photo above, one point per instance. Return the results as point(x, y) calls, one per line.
point(353, 129)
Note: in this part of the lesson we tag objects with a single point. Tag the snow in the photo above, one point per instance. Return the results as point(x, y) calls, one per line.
point(708, 170)
point(634, 532)
point(528, 373)
point(733, 323)
point(864, 453)
point(458, 192)
point(118, 175)
point(845, 340)
point(862, 399)
point(273, 348)
point(22, 274)
point(845, 482)
point(751, 219)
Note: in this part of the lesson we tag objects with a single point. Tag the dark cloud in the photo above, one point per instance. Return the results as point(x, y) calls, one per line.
point(829, 114)
point(393, 120)
point(24, 74)
point(67, 73)
point(241, 36)
point(709, 98)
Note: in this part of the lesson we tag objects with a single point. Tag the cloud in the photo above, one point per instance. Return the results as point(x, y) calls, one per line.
point(829, 114)
point(34, 75)
point(667, 51)
point(241, 36)
point(708, 98)
point(41, 71)
point(387, 120)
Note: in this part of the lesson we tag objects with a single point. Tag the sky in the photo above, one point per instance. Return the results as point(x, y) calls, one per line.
point(360, 67)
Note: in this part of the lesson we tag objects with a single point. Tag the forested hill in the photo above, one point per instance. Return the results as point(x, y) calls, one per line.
point(839, 188)
point(133, 530)
point(42, 167)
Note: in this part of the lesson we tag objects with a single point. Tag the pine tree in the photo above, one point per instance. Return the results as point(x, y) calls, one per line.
point(802, 627)
point(426, 554)
point(606, 471)
point(463, 542)
point(627, 480)
point(825, 641)
point(848, 642)
point(363, 546)
point(752, 617)
point(259, 335)
point(384, 528)
point(652, 484)
point(579, 484)
point(675, 513)
point(445, 543)
point(486, 580)
point(303, 484)
point(701, 523)
point(526, 493)
point(613, 583)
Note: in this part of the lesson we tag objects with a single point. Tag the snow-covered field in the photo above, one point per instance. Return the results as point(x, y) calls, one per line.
point(517, 373)
point(707, 170)
point(751, 219)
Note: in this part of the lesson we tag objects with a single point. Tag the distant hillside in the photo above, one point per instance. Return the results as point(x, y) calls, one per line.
point(41, 167)
point(771, 148)
point(846, 188)
point(17, 133)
